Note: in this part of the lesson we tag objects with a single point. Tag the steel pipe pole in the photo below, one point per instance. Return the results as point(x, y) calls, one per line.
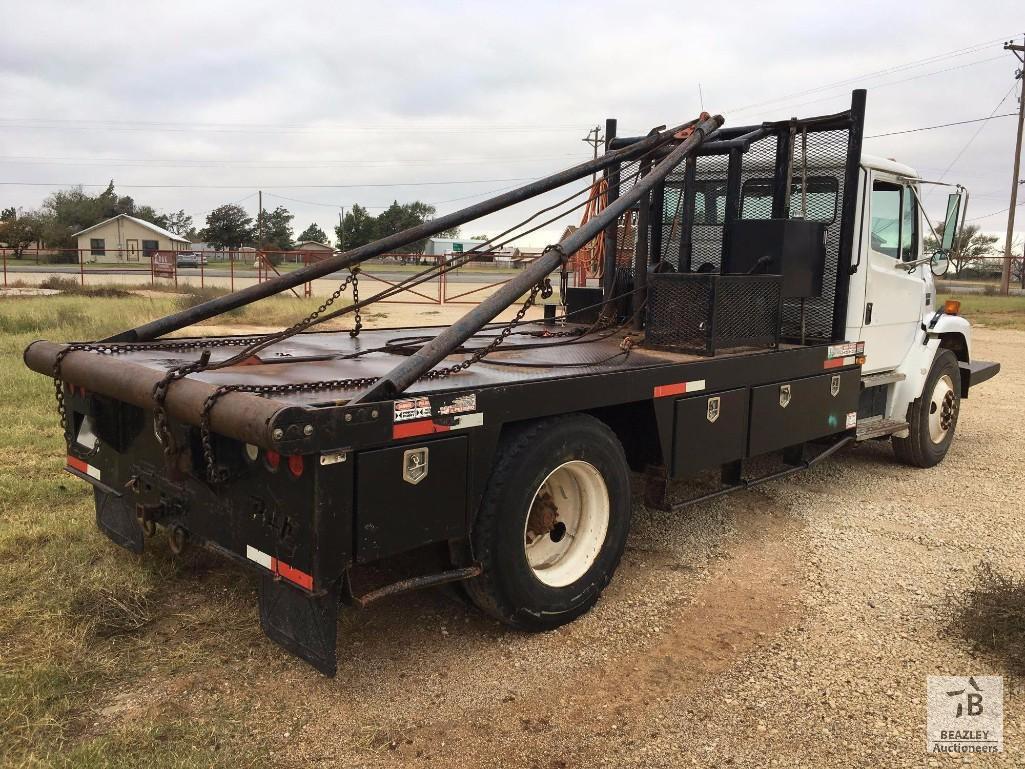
point(213, 307)
point(434, 351)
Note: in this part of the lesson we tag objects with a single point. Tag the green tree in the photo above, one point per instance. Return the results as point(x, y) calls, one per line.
point(970, 247)
point(19, 232)
point(180, 223)
point(314, 233)
point(228, 226)
point(357, 229)
point(276, 229)
point(402, 216)
point(150, 214)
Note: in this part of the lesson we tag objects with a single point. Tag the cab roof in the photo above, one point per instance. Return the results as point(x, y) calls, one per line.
point(888, 165)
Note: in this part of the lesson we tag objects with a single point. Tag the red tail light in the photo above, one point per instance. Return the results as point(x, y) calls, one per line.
point(295, 465)
point(273, 459)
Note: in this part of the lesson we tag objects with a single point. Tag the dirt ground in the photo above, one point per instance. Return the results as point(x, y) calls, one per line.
point(790, 625)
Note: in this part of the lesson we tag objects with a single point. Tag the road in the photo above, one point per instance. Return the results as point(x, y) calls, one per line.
point(386, 272)
point(789, 625)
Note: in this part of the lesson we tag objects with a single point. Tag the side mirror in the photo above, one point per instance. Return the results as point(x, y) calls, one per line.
point(950, 221)
point(940, 262)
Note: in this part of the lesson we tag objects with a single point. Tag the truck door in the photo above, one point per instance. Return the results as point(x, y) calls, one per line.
point(894, 295)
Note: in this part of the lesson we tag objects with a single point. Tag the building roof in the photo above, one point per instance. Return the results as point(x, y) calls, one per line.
point(142, 223)
point(302, 243)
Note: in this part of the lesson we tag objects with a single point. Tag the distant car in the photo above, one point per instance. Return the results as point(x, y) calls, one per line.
point(191, 259)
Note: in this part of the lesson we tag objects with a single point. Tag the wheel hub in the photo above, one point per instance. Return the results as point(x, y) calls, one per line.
point(567, 523)
point(942, 409)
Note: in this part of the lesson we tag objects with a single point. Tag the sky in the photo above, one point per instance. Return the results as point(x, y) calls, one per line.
point(189, 105)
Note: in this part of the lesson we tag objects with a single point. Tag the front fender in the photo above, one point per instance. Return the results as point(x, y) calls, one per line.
point(954, 333)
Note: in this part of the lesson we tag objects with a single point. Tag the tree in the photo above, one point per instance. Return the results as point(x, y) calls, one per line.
point(228, 226)
point(357, 229)
point(398, 217)
point(180, 223)
point(970, 247)
point(150, 214)
point(276, 229)
point(314, 233)
point(19, 232)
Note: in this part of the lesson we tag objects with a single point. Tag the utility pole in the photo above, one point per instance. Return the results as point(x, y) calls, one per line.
point(1005, 275)
point(259, 222)
point(341, 228)
point(594, 138)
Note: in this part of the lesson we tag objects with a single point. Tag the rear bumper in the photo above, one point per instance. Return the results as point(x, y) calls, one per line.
point(976, 372)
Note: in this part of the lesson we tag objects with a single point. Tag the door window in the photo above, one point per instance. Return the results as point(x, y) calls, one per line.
point(886, 218)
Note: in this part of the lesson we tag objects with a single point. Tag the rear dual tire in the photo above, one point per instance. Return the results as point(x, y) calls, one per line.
point(553, 523)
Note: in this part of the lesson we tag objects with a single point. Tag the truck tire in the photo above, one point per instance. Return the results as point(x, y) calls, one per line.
point(553, 522)
point(933, 416)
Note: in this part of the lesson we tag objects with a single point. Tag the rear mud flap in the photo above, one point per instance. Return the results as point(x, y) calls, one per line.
point(305, 625)
point(117, 519)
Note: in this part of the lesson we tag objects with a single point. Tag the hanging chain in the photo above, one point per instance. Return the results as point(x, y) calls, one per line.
point(544, 287)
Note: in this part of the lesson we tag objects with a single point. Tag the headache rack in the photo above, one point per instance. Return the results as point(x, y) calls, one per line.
point(787, 186)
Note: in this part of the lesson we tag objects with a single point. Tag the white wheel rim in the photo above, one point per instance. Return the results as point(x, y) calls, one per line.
point(576, 525)
point(942, 409)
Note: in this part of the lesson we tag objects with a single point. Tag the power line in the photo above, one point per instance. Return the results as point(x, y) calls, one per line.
point(975, 135)
point(941, 125)
point(270, 186)
point(1001, 211)
point(876, 73)
point(60, 124)
point(256, 164)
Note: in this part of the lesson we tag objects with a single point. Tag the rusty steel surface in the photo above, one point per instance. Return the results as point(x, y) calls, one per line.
point(240, 415)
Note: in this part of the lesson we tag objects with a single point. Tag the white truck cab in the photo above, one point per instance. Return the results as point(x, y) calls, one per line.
point(918, 357)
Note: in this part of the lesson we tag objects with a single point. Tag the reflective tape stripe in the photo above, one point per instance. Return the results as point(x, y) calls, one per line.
point(430, 426)
point(83, 467)
point(282, 569)
point(679, 388)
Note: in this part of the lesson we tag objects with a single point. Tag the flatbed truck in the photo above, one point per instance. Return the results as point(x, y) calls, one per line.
point(766, 301)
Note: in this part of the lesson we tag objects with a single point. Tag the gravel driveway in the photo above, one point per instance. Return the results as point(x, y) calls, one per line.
point(789, 625)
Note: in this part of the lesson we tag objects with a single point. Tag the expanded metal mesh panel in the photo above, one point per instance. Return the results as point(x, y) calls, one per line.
point(709, 213)
point(701, 313)
point(747, 307)
point(825, 173)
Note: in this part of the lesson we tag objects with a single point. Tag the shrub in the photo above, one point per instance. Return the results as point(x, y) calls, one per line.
point(59, 283)
point(991, 615)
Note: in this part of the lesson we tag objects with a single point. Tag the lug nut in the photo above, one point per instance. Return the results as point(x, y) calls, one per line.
point(278, 434)
point(308, 430)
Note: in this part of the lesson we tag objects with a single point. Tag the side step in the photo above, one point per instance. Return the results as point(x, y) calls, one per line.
point(879, 427)
point(883, 378)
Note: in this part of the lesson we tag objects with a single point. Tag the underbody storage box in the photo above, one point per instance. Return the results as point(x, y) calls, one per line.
point(798, 410)
point(709, 430)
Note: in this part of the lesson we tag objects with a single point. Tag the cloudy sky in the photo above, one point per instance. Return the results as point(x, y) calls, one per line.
point(191, 105)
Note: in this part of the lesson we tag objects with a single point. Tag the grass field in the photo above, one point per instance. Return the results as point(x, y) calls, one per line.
point(85, 626)
point(992, 311)
point(74, 606)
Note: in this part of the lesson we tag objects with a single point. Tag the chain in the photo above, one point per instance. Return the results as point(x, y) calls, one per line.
point(355, 303)
point(160, 390)
point(216, 474)
point(544, 287)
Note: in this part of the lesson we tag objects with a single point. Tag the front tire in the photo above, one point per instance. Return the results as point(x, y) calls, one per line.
point(933, 416)
point(553, 522)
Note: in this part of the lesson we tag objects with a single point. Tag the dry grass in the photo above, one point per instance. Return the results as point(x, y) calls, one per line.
point(77, 626)
point(991, 616)
point(992, 311)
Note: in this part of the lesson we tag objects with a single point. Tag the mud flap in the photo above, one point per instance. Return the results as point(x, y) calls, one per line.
point(305, 625)
point(117, 519)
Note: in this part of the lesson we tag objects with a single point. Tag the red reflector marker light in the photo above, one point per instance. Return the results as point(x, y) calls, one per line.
point(273, 459)
point(295, 465)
